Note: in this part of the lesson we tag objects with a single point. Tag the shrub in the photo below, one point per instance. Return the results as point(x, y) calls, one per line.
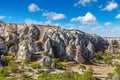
point(59, 66)
point(30, 70)
point(23, 76)
point(118, 57)
point(65, 60)
point(117, 69)
point(35, 65)
point(88, 74)
point(12, 67)
point(3, 72)
point(61, 76)
point(8, 58)
point(56, 60)
point(41, 71)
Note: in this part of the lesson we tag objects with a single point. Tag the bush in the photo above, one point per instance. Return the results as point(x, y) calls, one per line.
point(30, 70)
point(3, 72)
point(59, 66)
point(35, 65)
point(117, 69)
point(23, 76)
point(12, 67)
point(56, 60)
point(88, 74)
point(61, 76)
point(65, 60)
point(8, 58)
point(118, 57)
point(103, 58)
point(41, 71)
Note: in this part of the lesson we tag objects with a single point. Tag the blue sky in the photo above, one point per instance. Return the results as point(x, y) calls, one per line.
point(101, 17)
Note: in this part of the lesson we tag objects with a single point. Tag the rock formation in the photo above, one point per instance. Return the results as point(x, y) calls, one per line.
point(46, 62)
point(114, 44)
point(51, 41)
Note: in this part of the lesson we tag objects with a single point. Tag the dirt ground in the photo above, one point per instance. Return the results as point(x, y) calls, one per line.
point(99, 71)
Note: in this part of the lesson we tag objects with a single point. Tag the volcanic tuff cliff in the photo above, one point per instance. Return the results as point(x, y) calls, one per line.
point(114, 44)
point(46, 42)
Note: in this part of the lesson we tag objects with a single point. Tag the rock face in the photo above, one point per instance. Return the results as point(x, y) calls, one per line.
point(114, 44)
point(53, 42)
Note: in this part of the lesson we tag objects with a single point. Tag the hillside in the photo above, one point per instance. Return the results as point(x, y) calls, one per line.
point(44, 48)
point(55, 42)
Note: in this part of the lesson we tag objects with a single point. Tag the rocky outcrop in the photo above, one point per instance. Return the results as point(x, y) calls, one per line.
point(114, 44)
point(48, 48)
point(46, 62)
point(3, 46)
point(23, 51)
point(52, 41)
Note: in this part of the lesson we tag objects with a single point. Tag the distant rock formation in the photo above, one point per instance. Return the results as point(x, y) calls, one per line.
point(51, 41)
point(114, 44)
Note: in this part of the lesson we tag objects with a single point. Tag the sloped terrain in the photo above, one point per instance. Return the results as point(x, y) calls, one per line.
point(37, 41)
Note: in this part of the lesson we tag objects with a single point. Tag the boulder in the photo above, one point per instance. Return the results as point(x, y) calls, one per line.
point(46, 62)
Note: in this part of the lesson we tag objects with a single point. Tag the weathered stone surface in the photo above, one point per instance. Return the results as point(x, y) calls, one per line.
point(114, 44)
point(48, 48)
point(54, 41)
point(46, 62)
point(79, 56)
point(3, 47)
point(23, 51)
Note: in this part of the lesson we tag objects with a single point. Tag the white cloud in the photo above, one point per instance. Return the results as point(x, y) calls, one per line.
point(69, 26)
point(54, 15)
point(48, 22)
point(33, 7)
point(87, 19)
point(107, 24)
point(116, 29)
point(84, 2)
point(112, 5)
point(118, 16)
point(31, 21)
point(10, 17)
point(2, 17)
